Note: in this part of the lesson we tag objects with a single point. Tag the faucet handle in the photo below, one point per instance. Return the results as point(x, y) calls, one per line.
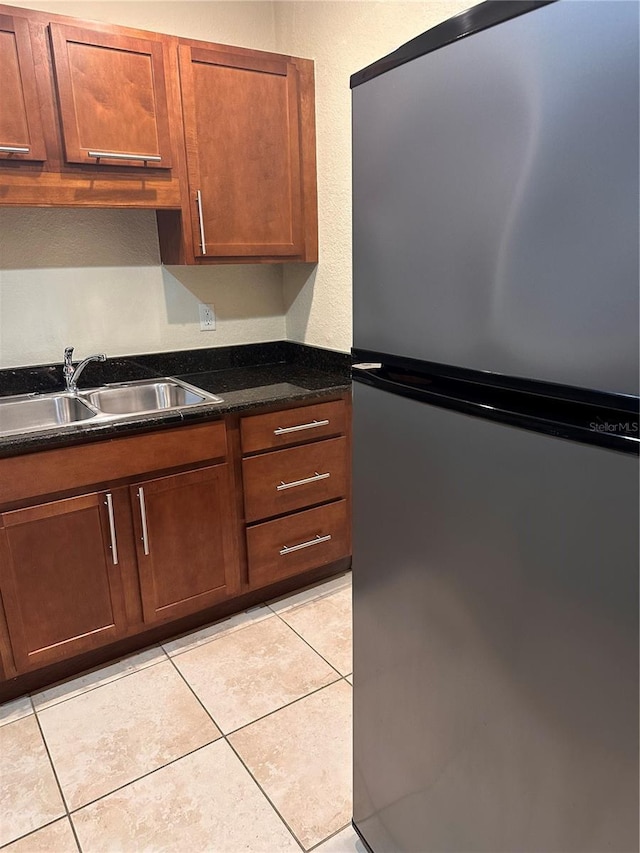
point(68, 354)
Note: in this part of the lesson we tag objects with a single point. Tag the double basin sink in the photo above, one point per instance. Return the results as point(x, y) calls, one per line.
point(33, 412)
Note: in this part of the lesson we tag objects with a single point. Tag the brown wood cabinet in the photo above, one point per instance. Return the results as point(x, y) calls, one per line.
point(105, 542)
point(84, 570)
point(296, 543)
point(244, 158)
point(21, 134)
point(312, 476)
point(185, 546)
point(286, 480)
point(97, 89)
point(112, 98)
point(61, 588)
point(219, 140)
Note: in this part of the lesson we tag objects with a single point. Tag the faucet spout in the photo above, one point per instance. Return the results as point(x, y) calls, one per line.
point(71, 373)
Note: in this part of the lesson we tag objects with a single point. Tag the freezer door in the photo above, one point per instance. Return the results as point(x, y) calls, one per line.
point(495, 196)
point(496, 636)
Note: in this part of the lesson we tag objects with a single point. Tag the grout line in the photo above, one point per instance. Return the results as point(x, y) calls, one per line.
point(55, 776)
point(61, 701)
point(230, 745)
point(199, 701)
point(310, 646)
point(139, 778)
point(264, 793)
point(33, 831)
point(329, 837)
point(257, 719)
point(282, 707)
point(317, 597)
point(220, 635)
point(28, 713)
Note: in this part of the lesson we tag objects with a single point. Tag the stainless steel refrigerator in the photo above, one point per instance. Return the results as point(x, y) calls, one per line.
point(495, 176)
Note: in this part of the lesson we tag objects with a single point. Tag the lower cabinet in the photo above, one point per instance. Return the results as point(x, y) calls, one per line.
point(61, 563)
point(104, 541)
point(62, 592)
point(296, 487)
point(185, 542)
point(296, 543)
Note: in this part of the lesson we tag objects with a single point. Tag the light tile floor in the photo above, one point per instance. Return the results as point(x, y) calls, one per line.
point(233, 739)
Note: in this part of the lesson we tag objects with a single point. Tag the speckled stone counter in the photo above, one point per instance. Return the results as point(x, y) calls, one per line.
point(246, 377)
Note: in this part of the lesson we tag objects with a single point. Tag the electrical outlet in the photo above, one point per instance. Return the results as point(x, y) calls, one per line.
point(207, 317)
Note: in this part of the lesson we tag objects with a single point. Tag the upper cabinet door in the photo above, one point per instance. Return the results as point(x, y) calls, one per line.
point(242, 130)
point(112, 97)
point(21, 135)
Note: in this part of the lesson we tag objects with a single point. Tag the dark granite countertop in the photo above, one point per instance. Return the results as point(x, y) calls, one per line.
point(246, 377)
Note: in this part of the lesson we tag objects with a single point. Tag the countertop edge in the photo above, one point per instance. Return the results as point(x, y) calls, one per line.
point(24, 443)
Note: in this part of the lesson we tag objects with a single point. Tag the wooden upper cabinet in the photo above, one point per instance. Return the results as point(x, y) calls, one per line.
point(219, 140)
point(243, 138)
point(21, 136)
point(112, 98)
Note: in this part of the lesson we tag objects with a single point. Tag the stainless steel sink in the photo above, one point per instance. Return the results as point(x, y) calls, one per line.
point(151, 395)
point(36, 412)
point(28, 413)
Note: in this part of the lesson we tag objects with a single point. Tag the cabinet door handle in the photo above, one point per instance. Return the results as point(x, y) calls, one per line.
point(14, 149)
point(304, 482)
point(143, 518)
point(114, 155)
point(312, 425)
point(203, 243)
point(112, 528)
point(288, 549)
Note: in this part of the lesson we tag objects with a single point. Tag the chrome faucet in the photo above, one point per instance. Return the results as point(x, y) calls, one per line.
point(71, 373)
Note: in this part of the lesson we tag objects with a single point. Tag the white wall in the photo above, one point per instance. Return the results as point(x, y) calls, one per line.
point(342, 37)
point(93, 278)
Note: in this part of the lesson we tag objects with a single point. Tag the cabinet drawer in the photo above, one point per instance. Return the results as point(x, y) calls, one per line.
point(297, 543)
point(292, 479)
point(292, 426)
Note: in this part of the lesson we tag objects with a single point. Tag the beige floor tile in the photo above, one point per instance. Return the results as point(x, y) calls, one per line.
point(55, 838)
point(204, 802)
point(29, 795)
point(346, 841)
point(301, 757)
point(350, 679)
point(98, 677)
point(219, 629)
point(249, 673)
point(15, 710)
point(325, 623)
point(109, 736)
point(311, 593)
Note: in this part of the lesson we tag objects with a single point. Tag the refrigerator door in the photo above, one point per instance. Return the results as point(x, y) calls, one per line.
point(496, 636)
point(496, 200)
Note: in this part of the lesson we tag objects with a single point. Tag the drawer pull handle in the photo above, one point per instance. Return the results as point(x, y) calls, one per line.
point(143, 518)
point(114, 155)
point(14, 149)
point(112, 529)
point(304, 482)
point(289, 549)
point(312, 425)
